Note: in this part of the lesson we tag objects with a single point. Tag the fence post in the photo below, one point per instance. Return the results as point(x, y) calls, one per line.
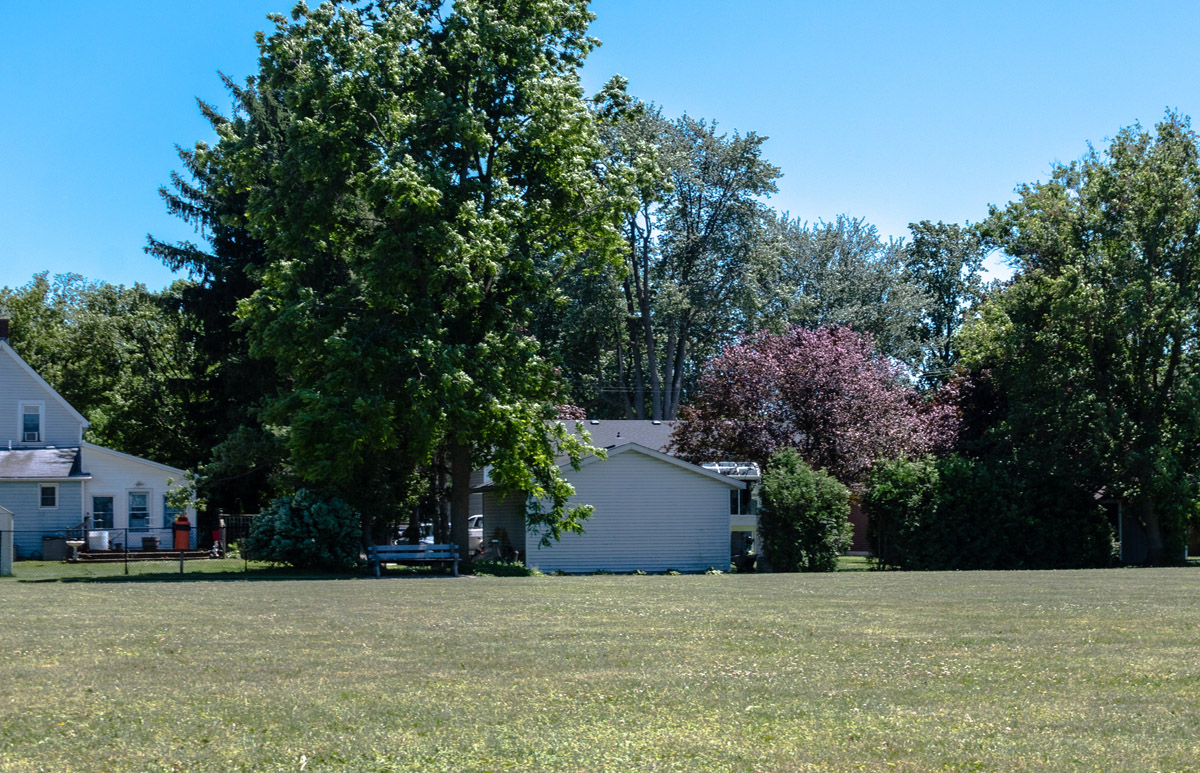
point(125, 545)
point(6, 542)
point(181, 561)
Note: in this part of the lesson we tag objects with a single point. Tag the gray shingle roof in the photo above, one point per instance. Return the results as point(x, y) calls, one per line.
point(616, 432)
point(35, 463)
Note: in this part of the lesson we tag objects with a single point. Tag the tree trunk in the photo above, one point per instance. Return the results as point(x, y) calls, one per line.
point(675, 395)
point(441, 520)
point(1147, 514)
point(460, 497)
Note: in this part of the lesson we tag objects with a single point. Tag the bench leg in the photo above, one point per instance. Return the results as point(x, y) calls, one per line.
point(378, 565)
point(456, 567)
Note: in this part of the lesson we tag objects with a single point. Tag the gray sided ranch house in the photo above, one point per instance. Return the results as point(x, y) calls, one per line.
point(652, 511)
point(52, 481)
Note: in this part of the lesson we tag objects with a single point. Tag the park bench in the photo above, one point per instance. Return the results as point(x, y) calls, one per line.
point(378, 555)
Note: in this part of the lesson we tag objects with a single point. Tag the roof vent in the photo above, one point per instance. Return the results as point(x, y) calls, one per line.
point(593, 422)
point(656, 422)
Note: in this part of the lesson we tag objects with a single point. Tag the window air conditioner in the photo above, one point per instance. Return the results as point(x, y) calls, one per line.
point(32, 437)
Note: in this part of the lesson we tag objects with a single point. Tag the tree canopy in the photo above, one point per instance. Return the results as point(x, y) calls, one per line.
point(1096, 344)
point(417, 173)
point(119, 355)
point(826, 392)
point(632, 337)
point(841, 273)
point(944, 262)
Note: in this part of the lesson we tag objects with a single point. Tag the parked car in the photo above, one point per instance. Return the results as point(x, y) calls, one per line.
point(475, 534)
point(426, 534)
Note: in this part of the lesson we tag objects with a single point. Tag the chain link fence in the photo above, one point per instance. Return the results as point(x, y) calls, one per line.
point(98, 553)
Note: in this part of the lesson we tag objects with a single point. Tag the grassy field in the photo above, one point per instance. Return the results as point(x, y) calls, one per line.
point(1088, 670)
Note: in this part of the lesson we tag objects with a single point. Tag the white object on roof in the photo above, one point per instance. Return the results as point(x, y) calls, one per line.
point(738, 470)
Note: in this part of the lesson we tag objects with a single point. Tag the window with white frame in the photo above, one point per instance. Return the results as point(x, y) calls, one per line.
point(30, 422)
point(48, 496)
point(169, 513)
point(139, 509)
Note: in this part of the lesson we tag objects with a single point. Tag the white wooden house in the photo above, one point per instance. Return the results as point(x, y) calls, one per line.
point(53, 481)
point(652, 511)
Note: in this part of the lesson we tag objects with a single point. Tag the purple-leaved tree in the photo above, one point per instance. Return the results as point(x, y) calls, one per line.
point(826, 392)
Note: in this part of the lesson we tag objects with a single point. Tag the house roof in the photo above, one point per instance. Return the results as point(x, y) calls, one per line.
point(41, 464)
point(655, 454)
point(609, 433)
point(638, 448)
point(132, 458)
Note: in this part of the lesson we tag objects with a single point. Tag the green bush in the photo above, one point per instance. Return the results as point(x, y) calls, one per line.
point(805, 517)
point(307, 531)
point(500, 569)
point(961, 513)
point(901, 498)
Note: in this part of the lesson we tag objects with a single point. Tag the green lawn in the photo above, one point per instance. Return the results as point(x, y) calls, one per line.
point(1095, 670)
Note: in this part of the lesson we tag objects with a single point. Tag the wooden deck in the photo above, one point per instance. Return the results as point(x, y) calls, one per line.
point(110, 556)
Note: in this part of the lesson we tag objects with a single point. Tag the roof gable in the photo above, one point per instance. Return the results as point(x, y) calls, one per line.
point(608, 433)
point(20, 363)
point(132, 458)
point(637, 448)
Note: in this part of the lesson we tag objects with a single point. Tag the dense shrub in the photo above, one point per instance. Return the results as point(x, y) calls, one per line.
point(960, 513)
point(500, 569)
point(306, 530)
point(902, 493)
point(805, 517)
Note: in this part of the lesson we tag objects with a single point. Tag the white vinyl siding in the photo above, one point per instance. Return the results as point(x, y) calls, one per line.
point(650, 514)
point(59, 426)
point(31, 521)
point(118, 475)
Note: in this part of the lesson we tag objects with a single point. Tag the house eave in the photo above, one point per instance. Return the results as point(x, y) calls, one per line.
point(132, 458)
point(46, 480)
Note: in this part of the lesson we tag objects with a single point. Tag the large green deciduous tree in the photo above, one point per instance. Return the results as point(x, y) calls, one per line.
point(842, 273)
point(944, 261)
point(418, 173)
point(632, 338)
point(1096, 344)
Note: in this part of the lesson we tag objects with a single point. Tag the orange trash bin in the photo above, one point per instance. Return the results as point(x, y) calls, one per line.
point(183, 532)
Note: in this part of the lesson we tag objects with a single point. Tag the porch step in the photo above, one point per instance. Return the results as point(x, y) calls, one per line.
point(109, 556)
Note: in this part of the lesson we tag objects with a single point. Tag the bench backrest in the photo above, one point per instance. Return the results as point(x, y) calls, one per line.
point(417, 552)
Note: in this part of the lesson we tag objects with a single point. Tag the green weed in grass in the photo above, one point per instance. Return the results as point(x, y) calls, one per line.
point(874, 670)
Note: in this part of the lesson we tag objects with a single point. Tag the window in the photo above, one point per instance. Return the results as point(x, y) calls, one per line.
point(169, 513)
point(31, 422)
point(48, 498)
point(739, 502)
point(139, 509)
point(102, 512)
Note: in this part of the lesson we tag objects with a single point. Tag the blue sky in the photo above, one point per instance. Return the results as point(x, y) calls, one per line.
point(893, 112)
